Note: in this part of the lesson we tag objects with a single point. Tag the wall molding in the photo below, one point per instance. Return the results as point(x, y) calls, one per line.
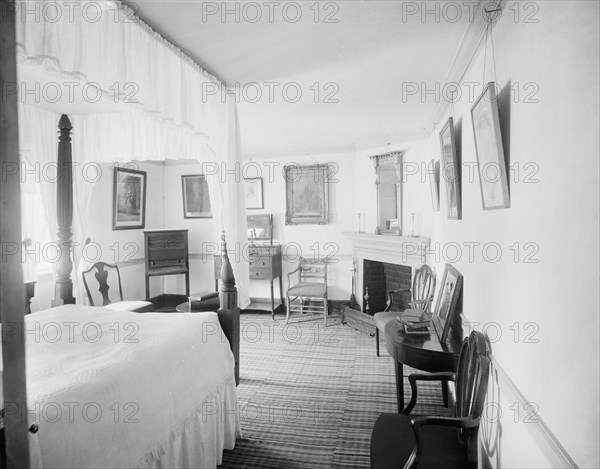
point(537, 428)
point(203, 257)
point(469, 45)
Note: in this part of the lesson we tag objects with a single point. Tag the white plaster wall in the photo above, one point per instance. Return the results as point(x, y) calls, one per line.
point(115, 246)
point(310, 240)
point(537, 302)
point(200, 235)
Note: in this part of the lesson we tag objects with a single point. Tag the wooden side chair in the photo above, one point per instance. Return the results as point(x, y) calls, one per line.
point(405, 441)
point(423, 289)
point(103, 275)
point(309, 294)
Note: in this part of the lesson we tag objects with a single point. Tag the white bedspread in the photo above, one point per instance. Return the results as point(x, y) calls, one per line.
point(118, 389)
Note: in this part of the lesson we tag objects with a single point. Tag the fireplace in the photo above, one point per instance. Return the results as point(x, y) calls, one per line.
point(377, 254)
point(381, 277)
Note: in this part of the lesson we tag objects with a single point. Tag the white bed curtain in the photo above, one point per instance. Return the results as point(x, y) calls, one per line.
point(166, 105)
point(38, 150)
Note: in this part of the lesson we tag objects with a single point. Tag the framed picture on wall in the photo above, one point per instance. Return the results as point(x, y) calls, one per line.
point(447, 300)
point(449, 170)
point(254, 193)
point(129, 199)
point(196, 202)
point(434, 184)
point(489, 150)
point(306, 194)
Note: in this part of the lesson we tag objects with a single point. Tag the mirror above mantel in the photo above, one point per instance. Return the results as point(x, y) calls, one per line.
point(388, 182)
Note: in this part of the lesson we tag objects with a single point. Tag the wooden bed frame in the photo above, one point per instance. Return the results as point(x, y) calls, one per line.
point(228, 313)
point(12, 296)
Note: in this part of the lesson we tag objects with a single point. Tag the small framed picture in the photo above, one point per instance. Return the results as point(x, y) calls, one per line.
point(489, 150)
point(254, 193)
point(196, 202)
point(447, 301)
point(450, 170)
point(129, 199)
point(434, 184)
point(306, 194)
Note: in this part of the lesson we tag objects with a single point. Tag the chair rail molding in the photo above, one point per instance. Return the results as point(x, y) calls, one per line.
point(539, 431)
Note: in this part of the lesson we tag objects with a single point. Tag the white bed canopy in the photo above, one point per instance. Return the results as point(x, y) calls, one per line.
point(130, 95)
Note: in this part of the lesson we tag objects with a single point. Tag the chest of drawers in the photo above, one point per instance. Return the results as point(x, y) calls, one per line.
point(265, 264)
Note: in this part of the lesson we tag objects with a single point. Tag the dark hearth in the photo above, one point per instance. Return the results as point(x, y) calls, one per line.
point(380, 277)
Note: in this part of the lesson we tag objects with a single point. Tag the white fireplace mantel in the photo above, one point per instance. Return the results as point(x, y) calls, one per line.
point(401, 250)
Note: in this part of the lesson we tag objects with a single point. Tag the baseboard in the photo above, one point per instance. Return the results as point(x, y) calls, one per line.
point(538, 429)
point(260, 305)
point(264, 305)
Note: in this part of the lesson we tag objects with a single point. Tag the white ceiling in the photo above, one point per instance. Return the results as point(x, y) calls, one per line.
point(350, 67)
point(361, 62)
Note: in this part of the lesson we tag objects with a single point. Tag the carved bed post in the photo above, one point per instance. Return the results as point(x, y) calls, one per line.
point(63, 289)
point(14, 451)
point(229, 313)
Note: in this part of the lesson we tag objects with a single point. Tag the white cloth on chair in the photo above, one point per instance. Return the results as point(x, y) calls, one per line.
point(128, 305)
point(381, 319)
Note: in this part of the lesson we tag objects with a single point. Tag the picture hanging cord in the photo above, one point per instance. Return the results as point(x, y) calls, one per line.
point(488, 32)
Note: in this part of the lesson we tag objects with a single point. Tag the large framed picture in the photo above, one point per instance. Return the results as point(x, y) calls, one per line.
point(254, 193)
point(450, 170)
point(196, 202)
point(447, 301)
point(129, 199)
point(489, 150)
point(306, 194)
point(434, 184)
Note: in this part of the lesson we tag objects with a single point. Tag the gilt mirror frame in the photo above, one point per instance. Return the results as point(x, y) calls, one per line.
point(450, 170)
point(392, 225)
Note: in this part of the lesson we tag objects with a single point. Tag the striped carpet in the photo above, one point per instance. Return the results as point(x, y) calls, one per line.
point(309, 396)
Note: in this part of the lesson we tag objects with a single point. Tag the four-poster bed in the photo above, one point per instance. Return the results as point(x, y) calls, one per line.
point(136, 373)
point(177, 120)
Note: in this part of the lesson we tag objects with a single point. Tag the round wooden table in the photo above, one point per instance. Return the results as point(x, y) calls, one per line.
point(424, 352)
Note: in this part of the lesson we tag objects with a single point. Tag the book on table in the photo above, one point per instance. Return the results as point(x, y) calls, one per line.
point(198, 301)
point(416, 331)
point(203, 295)
point(415, 318)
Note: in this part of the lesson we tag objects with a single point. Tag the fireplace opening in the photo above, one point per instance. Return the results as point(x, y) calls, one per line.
point(381, 277)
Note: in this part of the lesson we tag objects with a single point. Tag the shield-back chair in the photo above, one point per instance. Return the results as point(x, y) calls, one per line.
point(407, 441)
point(422, 296)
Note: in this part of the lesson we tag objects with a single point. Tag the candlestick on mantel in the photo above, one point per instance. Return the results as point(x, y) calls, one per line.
point(361, 222)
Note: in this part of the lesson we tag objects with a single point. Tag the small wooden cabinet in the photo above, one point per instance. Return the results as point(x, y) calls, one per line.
point(265, 264)
point(166, 253)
